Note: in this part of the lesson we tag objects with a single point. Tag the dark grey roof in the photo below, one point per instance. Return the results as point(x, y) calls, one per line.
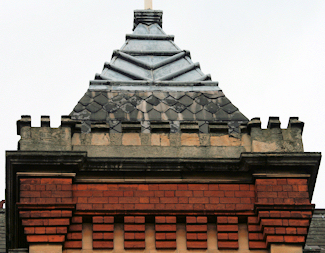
point(152, 79)
point(2, 230)
point(316, 235)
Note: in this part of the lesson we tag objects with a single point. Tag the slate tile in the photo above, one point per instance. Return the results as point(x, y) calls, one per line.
point(222, 101)
point(101, 115)
point(135, 115)
point(171, 114)
point(101, 99)
point(222, 115)
point(153, 100)
point(211, 107)
point(111, 107)
point(195, 107)
point(238, 116)
point(160, 94)
point(154, 115)
point(170, 101)
point(186, 100)
point(178, 107)
point(86, 100)
point(175, 126)
point(193, 94)
point(79, 107)
point(187, 115)
point(135, 100)
point(161, 107)
point(204, 115)
point(120, 100)
point(202, 100)
point(213, 94)
point(128, 107)
point(94, 107)
point(119, 114)
point(229, 108)
point(177, 94)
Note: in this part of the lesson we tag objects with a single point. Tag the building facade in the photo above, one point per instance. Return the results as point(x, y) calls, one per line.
point(155, 157)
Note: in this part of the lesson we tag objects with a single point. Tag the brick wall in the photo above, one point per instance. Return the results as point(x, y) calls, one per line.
point(276, 211)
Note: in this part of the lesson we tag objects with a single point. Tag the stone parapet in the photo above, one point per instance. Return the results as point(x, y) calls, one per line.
point(135, 142)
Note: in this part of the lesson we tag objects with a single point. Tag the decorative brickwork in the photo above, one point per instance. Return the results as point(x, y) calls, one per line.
point(196, 232)
point(103, 232)
point(227, 228)
point(134, 232)
point(74, 236)
point(281, 213)
point(165, 228)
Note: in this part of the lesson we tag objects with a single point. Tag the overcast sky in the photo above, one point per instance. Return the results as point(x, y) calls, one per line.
point(268, 57)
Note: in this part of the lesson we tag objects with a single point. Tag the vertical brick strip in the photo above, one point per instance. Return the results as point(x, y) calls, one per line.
point(103, 232)
point(74, 236)
point(196, 232)
point(255, 234)
point(227, 229)
point(165, 228)
point(134, 232)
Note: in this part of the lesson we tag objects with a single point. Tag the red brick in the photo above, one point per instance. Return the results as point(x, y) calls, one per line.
point(74, 236)
point(257, 245)
point(143, 187)
point(227, 228)
point(294, 239)
point(213, 187)
point(67, 213)
point(297, 181)
point(202, 219)
point(129, 200)
point(274, 238)
point(266, 182)
point(280, 230)
point(168, 187)
point(109, 236)
point(53, 230)
point(214, 193)
point(198, 187)
point(160, 219)
point(160, 236)
point(254, 228)
point(103, 244)
point(30, 181)
point(190, 219)
point(227, 245)
point(245, 194)
point(171, 200)
point(139, 236)
point(128, 193)
point(214, 200)
point(165, 227)
point(129, 236)
point(113, 193)
point(170, 219)
point(159, 193)
point(134, 244)
point(191, 236)
point(167, 193)
point(98, 219)
point(299, 223)
point(203, 200)
point(165, 244)
point(59, 222)
point(73, 245)
point(196, 228)
point(170, 236)
point(139, 219)
point(108, 219)
point(230, 200)
point(196, 244)
point(103, 227)
point(29, 230)
point(255, 236)
point(77, 227)
point(229, 187)
point(56, 238)
point(39, 230)
point(33, 222)
point(182, 187)
point(302, 231)
point(233, 236)
point(229, 194)
point(271, 222)
point(37, 238)
point(30, 194)
point(129, 227)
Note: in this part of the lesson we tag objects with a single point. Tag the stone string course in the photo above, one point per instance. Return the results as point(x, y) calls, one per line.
point(223, 204)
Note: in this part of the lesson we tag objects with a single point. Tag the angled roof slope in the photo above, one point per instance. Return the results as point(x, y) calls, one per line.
point(151, 79)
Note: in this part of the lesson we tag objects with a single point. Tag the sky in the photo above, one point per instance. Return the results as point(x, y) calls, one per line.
point(268, 57)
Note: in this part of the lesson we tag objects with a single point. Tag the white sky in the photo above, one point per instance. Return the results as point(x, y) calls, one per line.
point(268, 57)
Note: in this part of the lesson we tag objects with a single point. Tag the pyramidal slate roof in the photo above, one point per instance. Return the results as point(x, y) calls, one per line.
point(150, 79)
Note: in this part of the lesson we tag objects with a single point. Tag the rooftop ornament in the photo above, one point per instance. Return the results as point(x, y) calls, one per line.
point(148, 4)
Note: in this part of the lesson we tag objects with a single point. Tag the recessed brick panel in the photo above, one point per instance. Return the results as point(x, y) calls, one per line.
point(103, 232)
point(196, 232)
point(134, 232)
point(165, 227)
point(227, 232)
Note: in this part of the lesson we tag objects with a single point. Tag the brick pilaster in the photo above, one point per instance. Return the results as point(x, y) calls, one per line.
point(227, 228)
point(134, 232)
point(103, 232)
point(196, 232)
point(165, 228)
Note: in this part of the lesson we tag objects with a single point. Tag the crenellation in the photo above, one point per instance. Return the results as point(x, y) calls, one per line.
point(252, 137)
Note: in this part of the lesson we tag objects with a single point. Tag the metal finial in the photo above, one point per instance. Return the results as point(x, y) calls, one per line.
point(148, 4)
